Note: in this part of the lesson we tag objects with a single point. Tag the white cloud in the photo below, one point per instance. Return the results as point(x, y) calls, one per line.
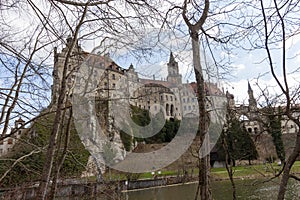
point(239, 67)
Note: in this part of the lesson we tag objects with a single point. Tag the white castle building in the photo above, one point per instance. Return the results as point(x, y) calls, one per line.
point(177, 98)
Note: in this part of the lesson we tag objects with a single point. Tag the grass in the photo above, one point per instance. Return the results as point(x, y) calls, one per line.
point(253, 170)
point(247, 171)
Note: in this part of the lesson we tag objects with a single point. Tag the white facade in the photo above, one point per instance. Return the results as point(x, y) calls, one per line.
point(7, 144)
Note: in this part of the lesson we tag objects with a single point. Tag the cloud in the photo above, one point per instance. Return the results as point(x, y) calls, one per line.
point(239, 88)
point(239, 67)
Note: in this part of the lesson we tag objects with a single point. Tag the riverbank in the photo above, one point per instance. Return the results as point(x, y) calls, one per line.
point(159, 179)
point(239, 172)
point(117, 182)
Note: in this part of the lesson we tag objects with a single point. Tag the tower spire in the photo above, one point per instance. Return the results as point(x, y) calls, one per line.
point(252, 101)
point(173, 71)
point(171, 59)
point(249, 87)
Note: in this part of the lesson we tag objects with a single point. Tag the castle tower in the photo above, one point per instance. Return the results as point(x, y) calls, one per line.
point(19, 123)
point(173, 72)
point(251, 100)
point(75, 60)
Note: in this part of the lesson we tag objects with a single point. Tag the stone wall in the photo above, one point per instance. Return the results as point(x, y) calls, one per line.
point(87, 190)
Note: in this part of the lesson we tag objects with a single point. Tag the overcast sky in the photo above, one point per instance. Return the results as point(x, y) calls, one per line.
point(246, 65)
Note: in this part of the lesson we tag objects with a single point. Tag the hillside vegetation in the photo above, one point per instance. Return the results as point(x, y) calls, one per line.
point(32, 147)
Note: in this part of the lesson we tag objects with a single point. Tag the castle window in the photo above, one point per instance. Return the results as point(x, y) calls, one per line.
point(255, 130)
point(113, 76)
point(166, 97)
point(114, 85)
point(172, 110)
point(10, 141)
point(161, 98)
point(250, 130)
point(167, 109)
point(171, 98)
point(183, 100)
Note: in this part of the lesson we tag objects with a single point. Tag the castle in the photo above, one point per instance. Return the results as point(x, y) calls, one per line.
point(177, 98)
point(115, 85)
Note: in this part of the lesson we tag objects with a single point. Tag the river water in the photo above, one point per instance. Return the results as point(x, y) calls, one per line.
point(246, 189)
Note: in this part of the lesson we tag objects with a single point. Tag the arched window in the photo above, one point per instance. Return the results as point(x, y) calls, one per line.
point(255, 130)
point(167, 110)
point(250, 130)
point(172, 110)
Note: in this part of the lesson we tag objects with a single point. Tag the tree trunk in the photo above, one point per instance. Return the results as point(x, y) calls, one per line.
point(229, 163)
point(62, 158)
point(287, 168)
point(48, 165)
point(204, 165)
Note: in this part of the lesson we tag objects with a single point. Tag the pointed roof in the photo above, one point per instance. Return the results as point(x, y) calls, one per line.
point(20, 120)
point(131, 66)
point(69, 39)
point(249, 87)
point(172, 59)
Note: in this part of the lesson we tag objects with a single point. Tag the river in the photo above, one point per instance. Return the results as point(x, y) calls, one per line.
point(246, 189)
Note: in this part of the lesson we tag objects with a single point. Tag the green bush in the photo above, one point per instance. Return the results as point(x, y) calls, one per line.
point(30, 168)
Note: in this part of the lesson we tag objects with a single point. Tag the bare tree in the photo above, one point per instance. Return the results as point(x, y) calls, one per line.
point(275, 20)
point(54, 20)
point(204, 163)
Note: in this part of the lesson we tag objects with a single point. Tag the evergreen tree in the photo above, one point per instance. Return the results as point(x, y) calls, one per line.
point(239, 143)
point(274, 128)
point(142, 118)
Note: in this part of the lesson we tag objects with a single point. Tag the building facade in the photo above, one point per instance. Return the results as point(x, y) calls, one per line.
point(174, 98)
point(7, 144)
